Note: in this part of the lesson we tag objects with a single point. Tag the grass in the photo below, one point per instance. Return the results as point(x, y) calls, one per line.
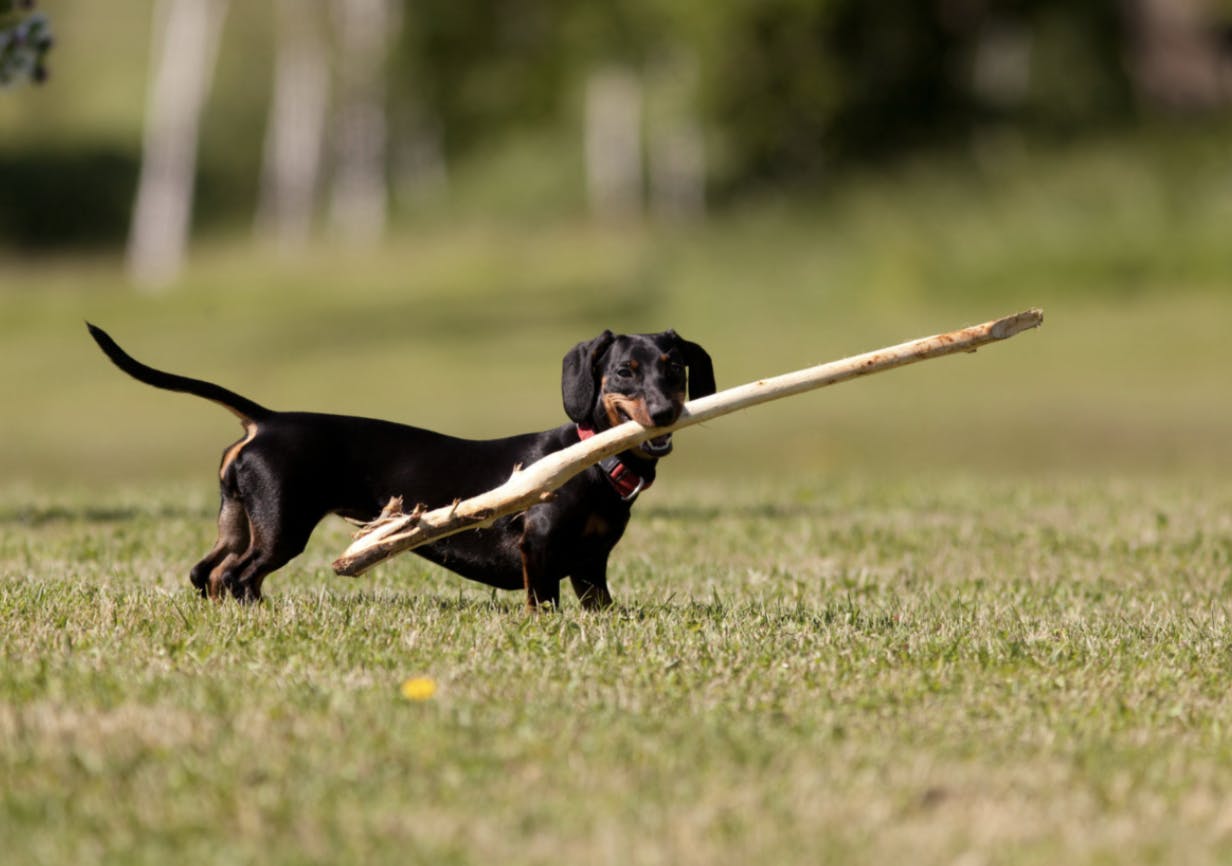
point(989, 671)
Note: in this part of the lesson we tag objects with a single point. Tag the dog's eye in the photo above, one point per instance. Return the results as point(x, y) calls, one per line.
point(625, 372)
point(675, 370)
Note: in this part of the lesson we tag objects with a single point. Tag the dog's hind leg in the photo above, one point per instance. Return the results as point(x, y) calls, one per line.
point(278, 530)
point(233, 540)
point(243, 576)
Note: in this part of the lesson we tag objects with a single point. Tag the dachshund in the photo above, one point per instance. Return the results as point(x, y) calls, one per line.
point(291, 469)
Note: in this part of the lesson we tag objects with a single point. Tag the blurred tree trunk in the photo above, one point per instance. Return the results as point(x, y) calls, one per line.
point(184, 47)
point(359, 194)
point(614, 143)
point(295, 132)
point(678, 171)
point(676, 154)
point(1175, 55)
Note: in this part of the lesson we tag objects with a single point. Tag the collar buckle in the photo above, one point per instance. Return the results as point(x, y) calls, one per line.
point(632, 494)
point(621, 483)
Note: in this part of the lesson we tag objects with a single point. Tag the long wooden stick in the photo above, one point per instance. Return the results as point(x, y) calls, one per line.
point(396, 532)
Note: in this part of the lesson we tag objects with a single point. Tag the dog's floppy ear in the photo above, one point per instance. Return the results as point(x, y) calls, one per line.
point(701, 370)
point(579, 380)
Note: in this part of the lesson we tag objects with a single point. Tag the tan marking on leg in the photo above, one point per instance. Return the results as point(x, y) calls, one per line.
point(234, 451)
point(216, 589)
point(532, 602)
point(232, 538)
point(232, 528)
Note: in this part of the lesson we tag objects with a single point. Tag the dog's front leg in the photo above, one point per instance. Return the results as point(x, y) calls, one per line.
point(541, 587)
point(590, 584)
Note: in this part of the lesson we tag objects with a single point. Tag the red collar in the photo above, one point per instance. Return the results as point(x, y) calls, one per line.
point(624, 480)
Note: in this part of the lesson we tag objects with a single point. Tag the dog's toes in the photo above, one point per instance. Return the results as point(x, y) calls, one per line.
point(243, 592)
point(200, 584)
point(200, 580)
point(233, 587)
point(597, 602)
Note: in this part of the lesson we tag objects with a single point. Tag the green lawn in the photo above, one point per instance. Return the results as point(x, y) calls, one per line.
point(984, 670)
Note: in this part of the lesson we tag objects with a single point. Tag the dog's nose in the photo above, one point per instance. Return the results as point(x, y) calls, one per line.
point(663, 415)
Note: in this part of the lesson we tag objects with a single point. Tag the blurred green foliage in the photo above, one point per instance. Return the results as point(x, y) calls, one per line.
point(58, 196)
point(788, 88)
point(25, 39)
point(789, 94)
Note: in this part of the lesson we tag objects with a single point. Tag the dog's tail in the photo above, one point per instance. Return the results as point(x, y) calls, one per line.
point(246, 410)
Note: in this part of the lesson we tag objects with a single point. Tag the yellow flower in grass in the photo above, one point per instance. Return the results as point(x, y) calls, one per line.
point(419, 688)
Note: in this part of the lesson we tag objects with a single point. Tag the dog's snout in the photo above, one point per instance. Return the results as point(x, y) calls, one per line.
point(663, 415)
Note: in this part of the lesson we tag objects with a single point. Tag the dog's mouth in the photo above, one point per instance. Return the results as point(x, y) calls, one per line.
point(623, 409)
point(660, 446)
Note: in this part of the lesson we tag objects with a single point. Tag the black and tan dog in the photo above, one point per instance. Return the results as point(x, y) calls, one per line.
point(291, 469)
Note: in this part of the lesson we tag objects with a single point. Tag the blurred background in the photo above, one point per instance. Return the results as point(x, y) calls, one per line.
point(413, 210)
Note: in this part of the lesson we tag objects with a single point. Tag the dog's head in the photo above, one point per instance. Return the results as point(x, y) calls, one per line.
point(634, 377)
